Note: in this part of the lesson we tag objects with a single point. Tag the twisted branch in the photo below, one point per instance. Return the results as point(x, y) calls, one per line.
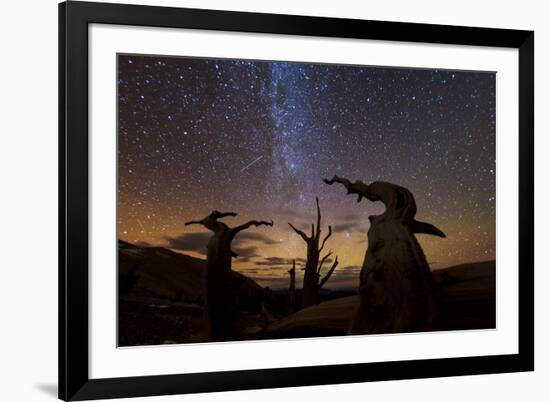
point(358, 187)
point(246, 225)
point(212, 218)
point(329, 273)
point(193, 223)
point(219, 215)
point(326, 238)
point(304, 236)
point(323, 261)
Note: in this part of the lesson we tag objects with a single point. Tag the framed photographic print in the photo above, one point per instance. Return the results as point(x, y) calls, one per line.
point(256, 200)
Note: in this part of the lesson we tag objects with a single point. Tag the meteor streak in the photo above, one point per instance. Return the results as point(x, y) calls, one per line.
point(251, 163)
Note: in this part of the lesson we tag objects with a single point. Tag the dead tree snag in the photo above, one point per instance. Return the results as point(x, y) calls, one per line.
point(220, 299)
point(395, 282)
point(312, 272)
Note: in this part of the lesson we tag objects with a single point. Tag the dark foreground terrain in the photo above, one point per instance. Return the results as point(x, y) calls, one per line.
point(465, 299)
point(160, 301)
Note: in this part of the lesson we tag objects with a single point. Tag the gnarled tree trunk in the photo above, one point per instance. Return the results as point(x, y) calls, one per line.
point(220, 297)
point(312, 271)
point(395, 282)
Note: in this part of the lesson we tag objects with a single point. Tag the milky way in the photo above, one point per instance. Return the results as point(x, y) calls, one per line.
point(257, 137)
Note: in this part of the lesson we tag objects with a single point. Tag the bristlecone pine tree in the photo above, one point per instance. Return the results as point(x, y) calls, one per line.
point(395, 283)
point(292, 289)
point(220, 299)
point(312, 271)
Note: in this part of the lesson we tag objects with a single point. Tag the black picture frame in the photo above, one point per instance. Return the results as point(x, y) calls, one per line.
point(74, 381)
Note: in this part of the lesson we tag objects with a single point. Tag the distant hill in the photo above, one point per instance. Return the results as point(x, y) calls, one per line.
point(466, 295)
point(161, 276)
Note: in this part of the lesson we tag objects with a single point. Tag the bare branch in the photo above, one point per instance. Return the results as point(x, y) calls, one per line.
point(326, 238)
point(323, 261)
point(194, 223)
point(211, 219)
point(427, 228)
point(358, 187)
point(329, 273)
point(219, 215)
point(336, 179)
point(246, 225)
point(304, 236)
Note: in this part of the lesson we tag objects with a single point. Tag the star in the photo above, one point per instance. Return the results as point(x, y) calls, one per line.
point(257, 137)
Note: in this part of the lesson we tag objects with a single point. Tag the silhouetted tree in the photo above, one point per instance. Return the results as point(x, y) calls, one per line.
point(395, 282)
point(292, 288)
point(220, 298)
point(312, 282)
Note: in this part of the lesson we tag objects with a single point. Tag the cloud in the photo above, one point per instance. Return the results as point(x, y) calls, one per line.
point(274, 261)
point(277, 276)
point(350, 268)
point(254, 236)
point(196, 241)
point(291, 213)
point(249, 271)
point(280, 262)
point(346, 227)
point(274, 268)
point(349, 217)
point(245, 253)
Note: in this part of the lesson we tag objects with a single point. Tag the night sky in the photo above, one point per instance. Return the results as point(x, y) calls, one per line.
point(257, 137)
